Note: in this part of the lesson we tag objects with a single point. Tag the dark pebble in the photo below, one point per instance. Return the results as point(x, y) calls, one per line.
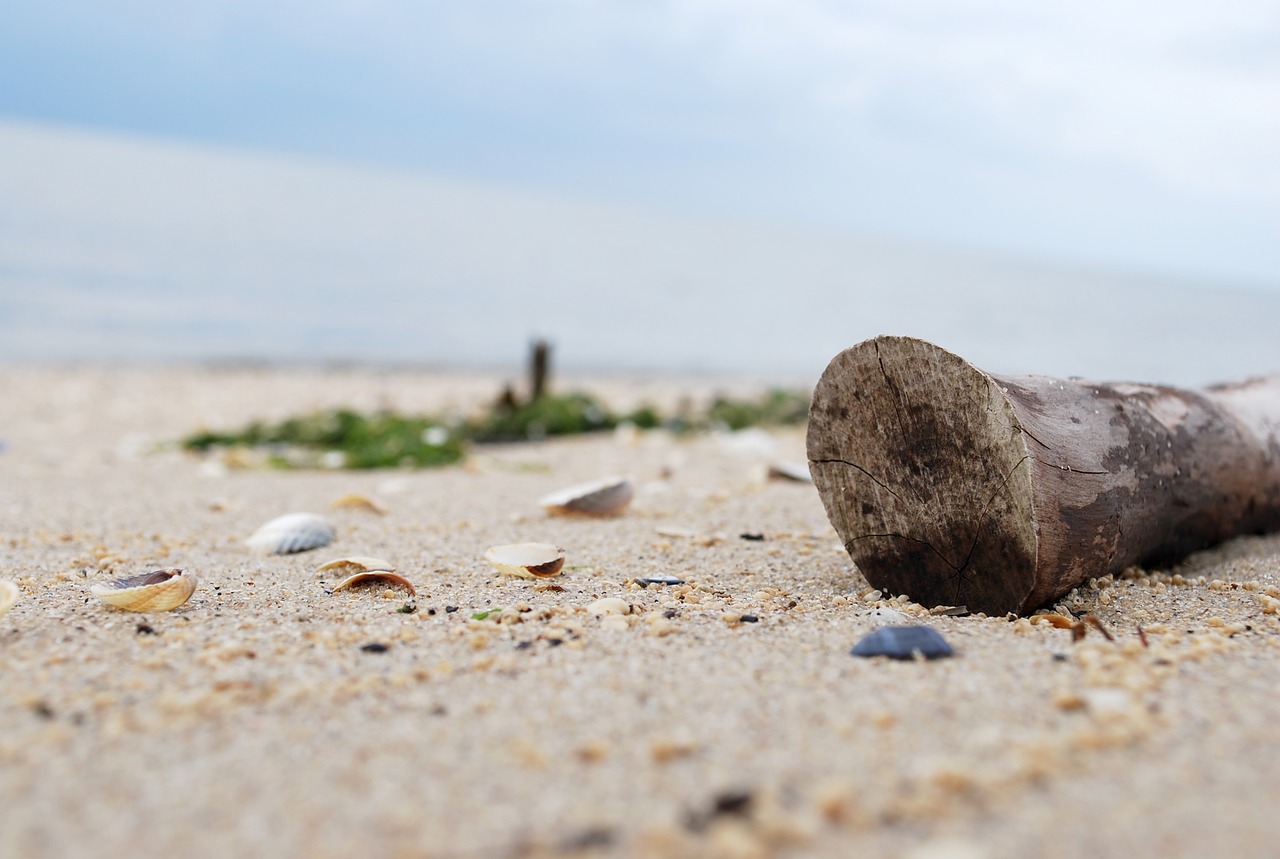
point(659, 580)
point(749, 618)
point(146, 629)
point(589, 839)
point(374, 647)
point(450, 609)
point(903, 642)
point(755, 538)
point(731, 802)
point(728, 804)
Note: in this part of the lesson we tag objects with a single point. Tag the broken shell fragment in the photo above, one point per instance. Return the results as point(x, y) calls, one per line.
point(293, 532)
point(375, 575)
point(527, 560)
point(160, 590)
point(8, 595)
point(797, 471)
point(356, 501)
point(356, 564)
point(608, 497)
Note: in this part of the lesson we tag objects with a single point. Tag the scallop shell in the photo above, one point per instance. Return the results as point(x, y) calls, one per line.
point(8, 595)
point(293, 532)
point(608, 497)
point(527, 560)
point(356, 564)
point(386, 575)
point(159, 590)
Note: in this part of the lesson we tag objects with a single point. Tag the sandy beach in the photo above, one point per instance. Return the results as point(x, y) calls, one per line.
point(507, 717)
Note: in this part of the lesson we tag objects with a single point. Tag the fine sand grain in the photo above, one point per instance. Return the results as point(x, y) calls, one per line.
point(721, 717)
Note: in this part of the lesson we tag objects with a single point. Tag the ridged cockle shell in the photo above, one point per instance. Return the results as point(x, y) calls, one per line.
point(293, 532)
point(160, 590)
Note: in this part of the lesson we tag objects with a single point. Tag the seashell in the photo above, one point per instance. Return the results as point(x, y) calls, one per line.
point(888, 617)
point(702, 539)
point(356, 564)
point(159, 590)
point(608, 605)
point(659, 580)
point(797, 471)
point(903, 642)
point(293, 532)
point(8, 595)
point(527, 560)
point(607, 497)
point(356, 501)
point(372, 575)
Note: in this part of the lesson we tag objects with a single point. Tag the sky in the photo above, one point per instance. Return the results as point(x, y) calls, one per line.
point(1142, 136)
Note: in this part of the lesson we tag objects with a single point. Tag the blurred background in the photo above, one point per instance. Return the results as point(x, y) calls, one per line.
point(676, 186)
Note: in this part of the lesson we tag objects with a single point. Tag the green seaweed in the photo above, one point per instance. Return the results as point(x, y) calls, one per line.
point(549, 415)
point(778, 407)
point(343, 438)
point(380, 440)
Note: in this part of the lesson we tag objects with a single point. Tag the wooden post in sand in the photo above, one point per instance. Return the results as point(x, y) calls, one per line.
point(1002, 493)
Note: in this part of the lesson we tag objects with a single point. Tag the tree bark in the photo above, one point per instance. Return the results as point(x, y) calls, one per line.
point(1002, 493)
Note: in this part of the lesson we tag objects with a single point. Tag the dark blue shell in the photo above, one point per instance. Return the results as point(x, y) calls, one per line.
point(903, 642)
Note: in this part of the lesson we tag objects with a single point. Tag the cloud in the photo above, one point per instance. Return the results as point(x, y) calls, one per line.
point(876, 114)
point(1185, 92)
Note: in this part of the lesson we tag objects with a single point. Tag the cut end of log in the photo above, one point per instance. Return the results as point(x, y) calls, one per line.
point(924, 471)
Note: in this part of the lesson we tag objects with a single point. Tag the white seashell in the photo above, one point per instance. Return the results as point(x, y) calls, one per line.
point(356, 564)
point(527, 560)
point(374, 575)
point(8, 595)
point(160, 590)
point(889, 617)
point(608, 605)
point(607, 497)
point(293, 532)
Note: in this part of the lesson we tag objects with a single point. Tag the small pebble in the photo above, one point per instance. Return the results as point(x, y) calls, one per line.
point(374, 647)
point(659, 580)
point(755, 538)
point(903, 642)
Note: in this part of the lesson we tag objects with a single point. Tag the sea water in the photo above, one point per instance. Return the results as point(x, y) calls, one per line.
point(114, 249)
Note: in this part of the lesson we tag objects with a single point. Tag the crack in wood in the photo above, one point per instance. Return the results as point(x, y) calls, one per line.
point(855, 465)
point(1068, 469)
point(959, 577)
point(926, 543)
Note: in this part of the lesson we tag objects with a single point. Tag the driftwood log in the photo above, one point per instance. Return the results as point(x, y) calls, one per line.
point(1002, 493)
